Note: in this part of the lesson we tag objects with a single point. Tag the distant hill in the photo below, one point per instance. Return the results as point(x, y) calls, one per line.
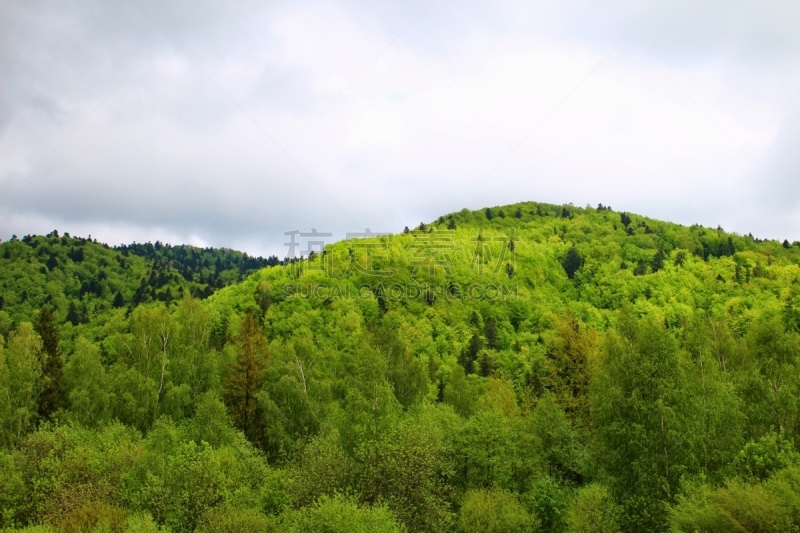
point(83, 279)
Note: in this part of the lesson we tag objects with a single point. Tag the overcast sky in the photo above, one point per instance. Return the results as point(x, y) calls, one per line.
point(228, 123)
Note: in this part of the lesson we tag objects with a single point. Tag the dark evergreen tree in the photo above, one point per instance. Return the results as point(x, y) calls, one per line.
point(119, 300)
point(73, 317)
point(572, 262)
point(470, 353)
point(489, 214)
point(51, 398)
point(658, 261)
point(490, 331)
point(485, 365)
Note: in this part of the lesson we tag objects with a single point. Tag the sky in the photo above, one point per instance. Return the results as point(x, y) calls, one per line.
point(227, 124)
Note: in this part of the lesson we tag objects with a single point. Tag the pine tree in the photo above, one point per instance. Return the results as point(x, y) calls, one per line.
point(119, 300)
point(490, 330)
point(73, 317)
point(470, 353)
point(658, 261)
point(572, 262)
point(52, 395)
point(247, 378)
point(489, 214)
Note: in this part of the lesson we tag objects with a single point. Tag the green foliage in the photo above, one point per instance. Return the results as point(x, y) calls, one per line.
point(640, 410)
point(557, 369)
point(407, 470)
point(340, 515)
point(770, 506)
point(494, 511)
point(592, 511)
point(20, 383)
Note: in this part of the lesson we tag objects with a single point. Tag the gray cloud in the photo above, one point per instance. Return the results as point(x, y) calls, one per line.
point(184, 140)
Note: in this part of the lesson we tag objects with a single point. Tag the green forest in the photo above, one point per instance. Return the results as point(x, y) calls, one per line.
point(521, 368)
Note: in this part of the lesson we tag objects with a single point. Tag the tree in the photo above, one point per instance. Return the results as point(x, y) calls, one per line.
point(490, 330)
point(639, 412)
point(572, 262)
point(87, 384)
point(405, 371)
point(73, 317)
point(407, 469)
point(593, 511)
point(470, 353)
point(658, 260)
point(263, 296)
point(246, 379)
point(20, 383)
point(119, 300)
point(340, 514)
point(52, 395)
point(495, 511)
point(458, 392)
point(569, 356)
point(141, 376)
point(489, 214)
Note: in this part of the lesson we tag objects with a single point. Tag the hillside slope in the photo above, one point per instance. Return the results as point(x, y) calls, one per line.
point(519, 368)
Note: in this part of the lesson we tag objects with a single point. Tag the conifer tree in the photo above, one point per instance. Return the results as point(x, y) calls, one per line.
point(52, 395)
point(490, 330)
point(658, 260)
point(246, 379)
point(572, 262)
point(569, 357)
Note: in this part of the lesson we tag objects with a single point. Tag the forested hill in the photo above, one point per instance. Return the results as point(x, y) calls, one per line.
point(81, 278)
point(514, 369)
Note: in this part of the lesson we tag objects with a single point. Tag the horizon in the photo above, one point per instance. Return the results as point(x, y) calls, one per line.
point(335, 240)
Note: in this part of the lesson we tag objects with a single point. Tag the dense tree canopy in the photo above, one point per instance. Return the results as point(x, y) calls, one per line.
point(518, 368)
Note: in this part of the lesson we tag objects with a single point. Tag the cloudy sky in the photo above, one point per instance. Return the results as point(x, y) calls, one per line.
point(228, 123)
